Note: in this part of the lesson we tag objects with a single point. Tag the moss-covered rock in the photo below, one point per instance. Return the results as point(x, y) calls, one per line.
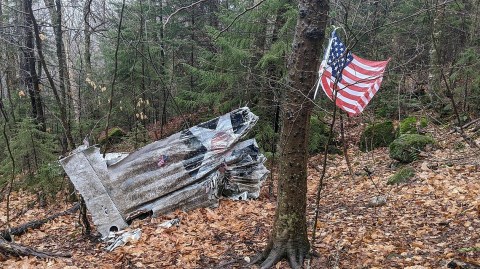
point(408, 126)
point(319, 137)
point(406, 147)
point(115, 135)
point(377, 135)
point(401, 176)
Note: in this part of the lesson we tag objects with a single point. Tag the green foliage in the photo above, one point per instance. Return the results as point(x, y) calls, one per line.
point(265, 136)
point(423, 122)
point(401, 176)
point(35, 159)
point(406, 147)
point(469, 249)
point(318, 136)
point(136, 138)
point(47, 181)
point(377, 135)
point(31, 148)
point(408, 126)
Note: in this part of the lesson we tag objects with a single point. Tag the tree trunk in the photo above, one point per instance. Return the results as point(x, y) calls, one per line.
point(288, 238)
point(32, 82)
point(55, 10)
point(9, 58)
point(56, 95)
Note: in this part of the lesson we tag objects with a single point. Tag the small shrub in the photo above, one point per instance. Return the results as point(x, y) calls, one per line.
point(406, 147)
point(377, 135)
point(318, 136)
point(401, 176)
point(47, 182)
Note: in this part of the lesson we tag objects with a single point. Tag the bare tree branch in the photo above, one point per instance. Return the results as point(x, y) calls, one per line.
point(238, 16)
point(181, 9)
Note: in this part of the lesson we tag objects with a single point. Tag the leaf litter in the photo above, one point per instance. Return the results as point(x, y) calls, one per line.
point(424, 223)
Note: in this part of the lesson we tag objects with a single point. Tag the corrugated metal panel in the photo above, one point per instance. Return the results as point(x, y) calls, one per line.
point(181, 171)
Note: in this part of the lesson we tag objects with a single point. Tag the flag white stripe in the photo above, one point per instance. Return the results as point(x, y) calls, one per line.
point(350, 110)
point(356, 72)
point(357, 83)
point(367, 67)
point(350, 81)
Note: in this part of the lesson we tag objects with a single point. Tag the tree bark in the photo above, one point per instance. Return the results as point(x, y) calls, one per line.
point(55, 10)
point(288, 238)
point(61, 105)
point(32, 82)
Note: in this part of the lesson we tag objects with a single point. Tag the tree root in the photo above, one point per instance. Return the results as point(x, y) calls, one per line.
point(12, 249)
point(19, 230)
point(294, 252)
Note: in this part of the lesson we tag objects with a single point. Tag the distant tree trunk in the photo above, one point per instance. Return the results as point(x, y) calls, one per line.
point(8, 57)
point(56, 95)
point(87, 58)
point(87, 31)
point(434, 75)
point(192, 39)
point(288, 238)
point(163, 64)
point(32, 82)
point(55, 10)
point(142, 50)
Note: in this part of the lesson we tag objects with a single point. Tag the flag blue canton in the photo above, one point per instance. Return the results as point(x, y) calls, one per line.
point(337, 60)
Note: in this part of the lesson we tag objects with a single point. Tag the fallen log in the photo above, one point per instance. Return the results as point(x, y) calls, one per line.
point(456, 264)
point(12, 249)
point(35, 224)
point(455, 129)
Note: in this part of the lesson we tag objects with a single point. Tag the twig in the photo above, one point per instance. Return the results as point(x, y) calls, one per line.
point(19, 250)
point(345, 147)
point(10, 185)
point(466, 125)
point(181, 9)
point(22, 212)
point(324, 168)
point(238, 16)
point(19, 230)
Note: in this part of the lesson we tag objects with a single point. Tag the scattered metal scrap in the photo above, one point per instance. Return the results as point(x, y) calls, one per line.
point(189, 169)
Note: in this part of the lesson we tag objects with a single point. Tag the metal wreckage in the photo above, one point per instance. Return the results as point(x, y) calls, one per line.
point(189, 169)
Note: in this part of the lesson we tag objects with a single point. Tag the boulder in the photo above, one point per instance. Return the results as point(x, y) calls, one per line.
point(408, 126)
point(406, 147)
point(377, 135)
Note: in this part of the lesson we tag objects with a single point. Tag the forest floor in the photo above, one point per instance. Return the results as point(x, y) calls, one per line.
point(425, 223)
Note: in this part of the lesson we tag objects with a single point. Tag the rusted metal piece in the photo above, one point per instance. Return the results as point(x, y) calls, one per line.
point(189, 169)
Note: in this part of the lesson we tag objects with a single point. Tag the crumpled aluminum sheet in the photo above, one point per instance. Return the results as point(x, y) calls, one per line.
point(189, 169)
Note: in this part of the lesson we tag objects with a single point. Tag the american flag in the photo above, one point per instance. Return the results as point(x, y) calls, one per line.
point(357, 79)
